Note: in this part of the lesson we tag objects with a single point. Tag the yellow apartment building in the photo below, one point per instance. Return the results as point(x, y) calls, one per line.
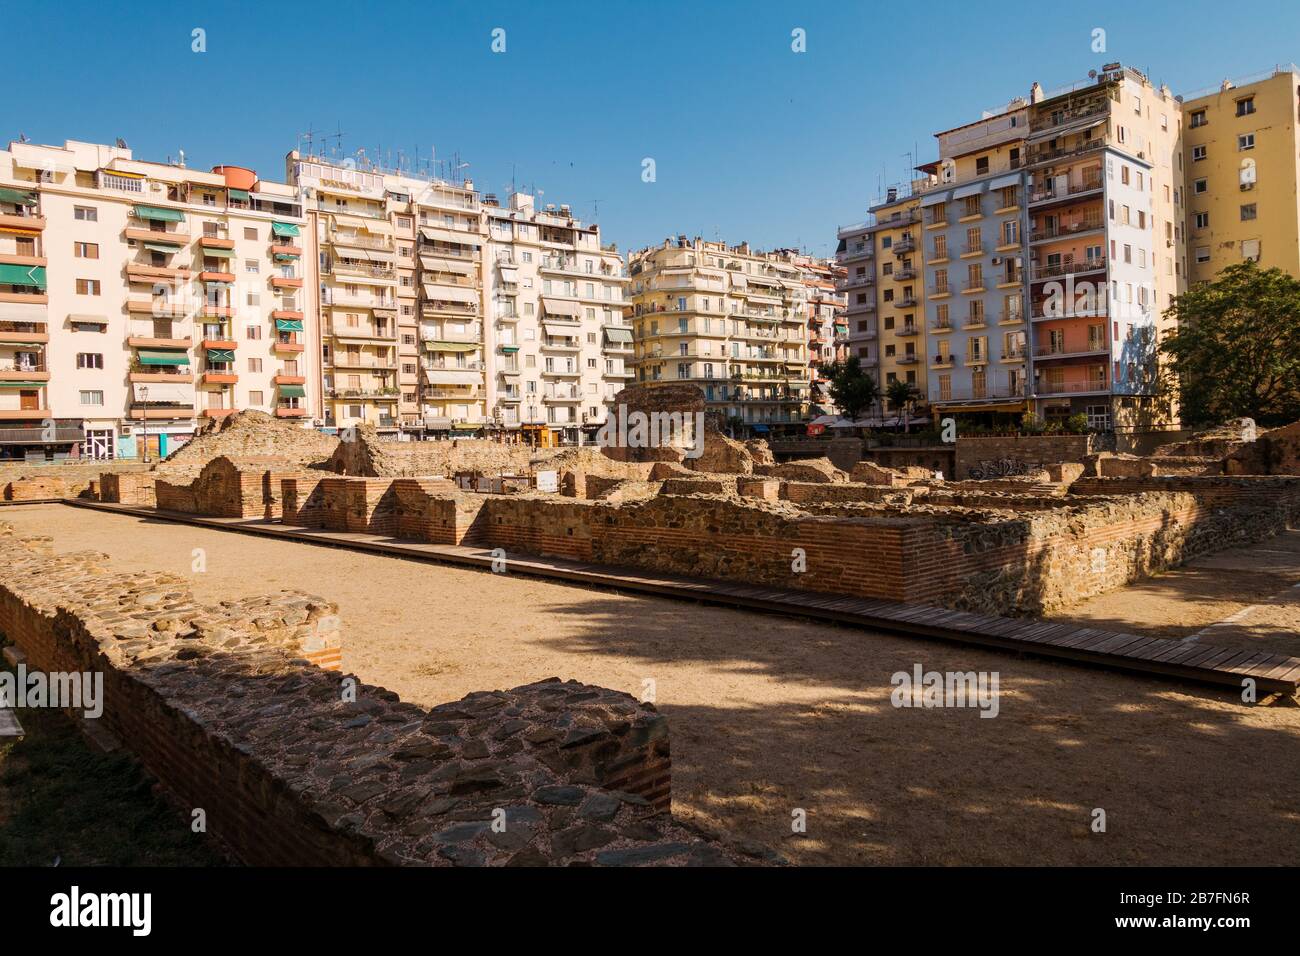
point(1241, 147)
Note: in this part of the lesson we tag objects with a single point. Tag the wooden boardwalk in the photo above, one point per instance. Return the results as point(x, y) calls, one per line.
point(1204, 663)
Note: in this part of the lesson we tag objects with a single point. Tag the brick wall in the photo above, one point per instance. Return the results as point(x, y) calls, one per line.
point(1032, 451)
point(294, 765)
point(128, 488)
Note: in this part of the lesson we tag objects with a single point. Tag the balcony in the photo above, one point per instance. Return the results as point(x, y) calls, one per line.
point(905, 273)
point(904, 245)
point(1052, 271)
point(1050, 193)
point(973, 285)
point(282, 379)
point(207, 276)
point(155, 374)
point(139, 272)
point(148, 342)
point(1010, 318)
point(218, 378)
point(976, 358)
point(970, 249)
point(220, 343)
point(1095, 386)
point(908, 301)
point(1046, 352)
point(1090, 224)
point(1060, 119)
point(152, 411)
point(1014, 354)
point(26, 372)
point(24, 333)
point(941, 361)
point(31, 223)
point(157, 307)
point(282, 345)
point(908, 358)
point(285, 282)
point(289, 411)
point(286, 249)
point(162, 237)
point(907, 329)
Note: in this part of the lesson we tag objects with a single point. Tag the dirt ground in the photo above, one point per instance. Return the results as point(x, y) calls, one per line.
point(769, 715)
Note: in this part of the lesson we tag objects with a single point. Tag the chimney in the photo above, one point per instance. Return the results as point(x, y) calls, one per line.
point(1036, 92)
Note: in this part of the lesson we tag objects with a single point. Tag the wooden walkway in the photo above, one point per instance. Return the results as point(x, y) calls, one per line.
point(1272, 673)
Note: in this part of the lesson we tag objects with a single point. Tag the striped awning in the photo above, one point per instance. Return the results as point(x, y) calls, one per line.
point(284, 229)
point(561, 307)
point(451, 236)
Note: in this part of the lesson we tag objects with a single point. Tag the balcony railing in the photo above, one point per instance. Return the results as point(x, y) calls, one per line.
point(1093, 264)
point(1066, 388)
point(1067, 229)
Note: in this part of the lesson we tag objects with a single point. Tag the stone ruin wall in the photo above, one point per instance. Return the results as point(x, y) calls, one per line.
point(996, 552)
point(227, 707)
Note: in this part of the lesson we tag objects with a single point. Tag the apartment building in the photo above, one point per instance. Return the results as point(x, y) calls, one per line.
point(827, 325)
point(972, 221)
point(139, 299)
point(1106, 252)
point(559, 342)
point(1049, 234)
point(855, 255)
point(1241, 144)
point(351, 280)
point(728, 319)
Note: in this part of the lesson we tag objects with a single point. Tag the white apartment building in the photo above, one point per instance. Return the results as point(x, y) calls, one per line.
point(558, 340)
point(139, 299)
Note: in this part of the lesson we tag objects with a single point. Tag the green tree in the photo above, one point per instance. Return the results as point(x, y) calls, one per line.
point(901, 395)
point(1236, 350)
point(852, 389)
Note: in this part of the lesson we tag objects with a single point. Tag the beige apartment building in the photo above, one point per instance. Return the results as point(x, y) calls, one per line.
point(559, 339)
point(442, 312)
point(728, 319)
point(1241, 149)
point(140, 299)
point(827, 328)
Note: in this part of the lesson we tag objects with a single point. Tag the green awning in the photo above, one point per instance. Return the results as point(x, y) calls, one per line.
point(23, 384)
point(288, 325)
point(285, 256)
point(240, 194)
point(221, 355)
point(17, 197)
point(509, 348)
point(218, 253)
point(159, 214)
point(618, 335)
point(160, 357)
point(292, 391)
point(284, 229)
point(451, 346)
point(33, 276)
point(159, 247)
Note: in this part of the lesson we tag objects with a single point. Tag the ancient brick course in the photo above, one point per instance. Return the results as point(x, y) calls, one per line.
point(296, 765)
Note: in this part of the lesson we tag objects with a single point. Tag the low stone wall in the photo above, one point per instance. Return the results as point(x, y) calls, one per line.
point(129, 488)
point(229, 487)
point(34, 488)
point(295, 765)
point(1028, 452)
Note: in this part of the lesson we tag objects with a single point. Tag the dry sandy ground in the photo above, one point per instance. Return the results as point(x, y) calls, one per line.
point(769, 714)
point(1247, 597)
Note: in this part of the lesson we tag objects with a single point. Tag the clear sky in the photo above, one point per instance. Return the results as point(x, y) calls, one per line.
point(751, 140)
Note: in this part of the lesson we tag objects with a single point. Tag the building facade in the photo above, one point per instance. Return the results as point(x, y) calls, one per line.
point(728, 319)
point(1241, 149)
point(140, 299)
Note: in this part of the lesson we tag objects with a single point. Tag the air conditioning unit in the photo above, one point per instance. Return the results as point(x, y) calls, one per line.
point(997, 260)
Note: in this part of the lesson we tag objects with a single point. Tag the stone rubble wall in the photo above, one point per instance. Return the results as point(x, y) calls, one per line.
point(296, 765)
point(1030, 451)
point(250, 433)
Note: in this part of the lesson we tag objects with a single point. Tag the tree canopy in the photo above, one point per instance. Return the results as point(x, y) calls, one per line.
point(1236, 350)
point(852, 389)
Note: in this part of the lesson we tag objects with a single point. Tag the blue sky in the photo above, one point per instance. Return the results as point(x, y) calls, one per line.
point(751, 141)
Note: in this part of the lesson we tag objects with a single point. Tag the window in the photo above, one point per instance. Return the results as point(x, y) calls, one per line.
point(250, 232)
point(255, 398)
point(1202, 220)
point(85, 213)
point(87, 287)
point(1199, 186)
point(1246, 106)
point(1248, 212)
point(1198, 153)
point(90, 360)
point(92, 397)
point(1199, 119)
point(1245, 141)
point(255, 365)
point(252, 266)
point(1250, 249)
point(981, 165)
point(85, 250)
point(253, 332)
point(972, 206)
point(1202, 253)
